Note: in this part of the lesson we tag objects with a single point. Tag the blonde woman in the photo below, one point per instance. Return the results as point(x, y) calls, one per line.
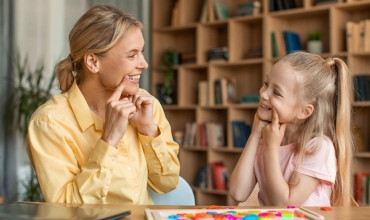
point(103, 139)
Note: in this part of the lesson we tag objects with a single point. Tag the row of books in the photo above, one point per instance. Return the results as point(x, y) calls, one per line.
point(205, 134)
point(362, 87)
point(219, 9)
point(362, 188)
point(277, 5)
point(225, 90)
point(214, 175)
point(284, 42)
point(358, 36)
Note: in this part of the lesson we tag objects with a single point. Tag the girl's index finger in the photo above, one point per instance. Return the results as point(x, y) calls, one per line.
point(116, 95)
point(275, 117)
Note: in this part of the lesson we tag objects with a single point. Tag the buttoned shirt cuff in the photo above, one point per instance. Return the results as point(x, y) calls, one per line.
point(152, 145)
point(104, 154)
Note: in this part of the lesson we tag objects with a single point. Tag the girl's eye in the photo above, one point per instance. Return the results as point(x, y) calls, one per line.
point(276, 93)
point(266, 84)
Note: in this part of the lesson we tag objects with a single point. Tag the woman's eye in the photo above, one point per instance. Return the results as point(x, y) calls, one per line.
point(131, 56)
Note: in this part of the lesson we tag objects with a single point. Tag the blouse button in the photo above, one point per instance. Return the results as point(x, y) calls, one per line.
point(136, 195)
point(129, 168)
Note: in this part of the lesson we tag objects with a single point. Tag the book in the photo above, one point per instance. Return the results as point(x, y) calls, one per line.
point(367, 35)
point(218, 53)
point(175, 20)
point(217, 92)
point(292, 41)
point(360, 186)
point(203, 93)
point(349, 36)
point(361, 37)
point(356, 37)
point(281, 48)
point(248, 8)
point(241, 132)
point(275, 52)
point(221, 9)
point(205, 13)
point(228, 90)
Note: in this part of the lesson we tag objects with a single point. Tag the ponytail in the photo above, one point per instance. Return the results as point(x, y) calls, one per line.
point(342, 191)
point(64, 73)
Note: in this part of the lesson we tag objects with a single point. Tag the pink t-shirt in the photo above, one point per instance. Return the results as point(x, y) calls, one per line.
point(321, 165)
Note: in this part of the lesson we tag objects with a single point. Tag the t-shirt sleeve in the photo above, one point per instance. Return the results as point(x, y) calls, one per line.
point(320, 161)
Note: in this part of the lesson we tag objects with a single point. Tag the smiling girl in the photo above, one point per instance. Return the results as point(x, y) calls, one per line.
point(300, 148)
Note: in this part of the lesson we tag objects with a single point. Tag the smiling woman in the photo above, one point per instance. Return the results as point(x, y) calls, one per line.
point(104, 139)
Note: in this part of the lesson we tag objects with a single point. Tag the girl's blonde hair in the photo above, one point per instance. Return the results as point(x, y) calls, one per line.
point(97, 31)
point(327, 85)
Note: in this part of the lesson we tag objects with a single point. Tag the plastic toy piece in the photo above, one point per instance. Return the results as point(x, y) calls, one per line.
point(326, 208)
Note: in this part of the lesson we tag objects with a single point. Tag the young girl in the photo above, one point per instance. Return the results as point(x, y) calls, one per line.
point(300, 148)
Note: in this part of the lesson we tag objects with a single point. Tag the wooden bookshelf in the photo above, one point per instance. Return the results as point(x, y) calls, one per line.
point(240, 34)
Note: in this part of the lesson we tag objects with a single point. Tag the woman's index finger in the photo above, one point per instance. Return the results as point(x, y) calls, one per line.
point(116, 95)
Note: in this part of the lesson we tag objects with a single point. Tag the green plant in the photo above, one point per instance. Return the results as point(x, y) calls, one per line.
point(314, 35)
point(27, 93)
point(169, 59)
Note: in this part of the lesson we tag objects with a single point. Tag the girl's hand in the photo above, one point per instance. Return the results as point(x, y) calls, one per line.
point(257, 127)
point(117, 113)
point(273, 133)
point(143, 117)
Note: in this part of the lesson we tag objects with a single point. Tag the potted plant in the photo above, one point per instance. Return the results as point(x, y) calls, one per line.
point(314, 43)
point(166, 90)
point(29, 90)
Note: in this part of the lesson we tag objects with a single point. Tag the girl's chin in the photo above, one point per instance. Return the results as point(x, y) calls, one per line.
point(264, 116)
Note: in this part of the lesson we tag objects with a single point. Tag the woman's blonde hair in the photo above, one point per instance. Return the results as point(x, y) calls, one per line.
point(97, 31)
point(327, 85)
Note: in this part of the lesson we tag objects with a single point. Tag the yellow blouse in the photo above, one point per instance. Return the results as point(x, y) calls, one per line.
point(74, 165)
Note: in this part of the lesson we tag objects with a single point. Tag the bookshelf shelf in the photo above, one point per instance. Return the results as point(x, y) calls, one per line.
point(241, 35)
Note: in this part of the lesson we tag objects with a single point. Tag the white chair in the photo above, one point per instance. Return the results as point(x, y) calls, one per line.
point(182, 195)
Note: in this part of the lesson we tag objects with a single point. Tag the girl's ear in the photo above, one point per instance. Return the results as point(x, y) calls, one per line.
point(306, 111)
point(91, 62)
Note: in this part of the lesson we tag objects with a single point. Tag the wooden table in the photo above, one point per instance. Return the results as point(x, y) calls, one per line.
point(138, 211)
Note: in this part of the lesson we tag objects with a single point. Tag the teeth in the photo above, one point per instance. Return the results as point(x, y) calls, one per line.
point(265, 107)
point(137, 77)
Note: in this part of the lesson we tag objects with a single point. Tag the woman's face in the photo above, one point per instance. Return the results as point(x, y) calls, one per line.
point(126, 58)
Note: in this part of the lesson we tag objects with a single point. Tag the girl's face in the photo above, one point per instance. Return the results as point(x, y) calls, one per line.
point(278, 91)
point(126, 58)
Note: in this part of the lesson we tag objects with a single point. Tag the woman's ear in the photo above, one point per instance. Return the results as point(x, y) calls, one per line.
point(91, 62)
point(306, 111)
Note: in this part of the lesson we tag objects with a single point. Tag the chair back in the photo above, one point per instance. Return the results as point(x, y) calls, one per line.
point(182, 195)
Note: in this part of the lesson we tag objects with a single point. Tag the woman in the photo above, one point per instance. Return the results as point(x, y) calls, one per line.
point(103, 140)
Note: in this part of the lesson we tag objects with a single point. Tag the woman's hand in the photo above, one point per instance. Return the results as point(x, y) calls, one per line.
point(273, 133)
point(117, 113)
point(143, 117)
